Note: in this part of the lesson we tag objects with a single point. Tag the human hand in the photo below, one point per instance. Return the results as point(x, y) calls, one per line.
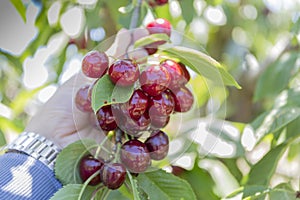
point(59, 120)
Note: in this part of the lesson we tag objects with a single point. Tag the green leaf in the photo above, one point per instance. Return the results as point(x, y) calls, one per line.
point(294, 150)
point(293, 129)
point(2, 139)
point(116, 195)
point(250, 191)
point(134, 187)
point(203, 64)
point(162, 185)
point(274, 120)
point(18, 4)
point(72, 191)
point(187, 9)
point(262, 171)
point(201, 182)
point(66, 166)
point(151, 39)
point(283, 191)
point(105, 92)
point(276, 77)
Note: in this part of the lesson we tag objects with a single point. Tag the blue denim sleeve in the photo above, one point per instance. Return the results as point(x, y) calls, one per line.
point(23, 177)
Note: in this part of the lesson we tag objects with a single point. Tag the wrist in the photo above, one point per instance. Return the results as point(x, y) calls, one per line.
point(36, 146)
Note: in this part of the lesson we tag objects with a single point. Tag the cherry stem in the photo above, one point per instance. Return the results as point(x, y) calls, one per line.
point(100, 147)
point(86, 183)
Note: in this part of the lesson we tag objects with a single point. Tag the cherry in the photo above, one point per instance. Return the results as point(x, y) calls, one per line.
point(154, 79)
point(137, 104)
point(154, 3)
point(183, 99)
point(113, 175)
point(158, 122)
point(88, 166)
point(82, 100)
point(151, 49)
point(129, 125)
point(186, 73)
point(106, 118)
point(158, 145)
point(95, 64)
point(159, 25)
point(176, 73)
point(135, 156)
point(162, 104)
point(124, 72)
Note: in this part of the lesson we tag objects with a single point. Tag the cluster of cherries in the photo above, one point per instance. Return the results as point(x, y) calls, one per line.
point(159, 92)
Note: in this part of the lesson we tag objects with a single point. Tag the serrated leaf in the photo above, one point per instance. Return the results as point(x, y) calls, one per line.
point(203, 64)
point(263, 170)
point(72, 192)
point(151, 39)
point(134, 187)
point(105, 92)
point(276, 77)
point(20, 7)
point(66, 166)
point(162, 185)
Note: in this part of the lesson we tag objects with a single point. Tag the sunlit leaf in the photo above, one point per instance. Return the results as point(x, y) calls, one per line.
point(203, 64)
point(151, 39)
point(187, 9)
point(262, 172)
point(2, 139)
point(20, 7)
point(162, 185)
point(105, 92)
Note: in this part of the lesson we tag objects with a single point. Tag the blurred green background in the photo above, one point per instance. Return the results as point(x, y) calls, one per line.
point(257, 154)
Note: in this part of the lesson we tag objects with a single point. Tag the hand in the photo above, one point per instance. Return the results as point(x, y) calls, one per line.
point(59, 120)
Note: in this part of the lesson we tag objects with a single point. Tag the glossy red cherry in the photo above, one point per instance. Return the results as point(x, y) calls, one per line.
point(162, 104)
point(129, 125)
point(183, 98)
point(88, 166)
point(154, 80)
point(137, 104)
point(151, 49)
point(135, 156)
point(82, 100)
point(113, 175)
point(186, 73)
point(95, 64)
point(158, 122)
point(124, 72)
point(158, 145)
point(106, 118)
point(159, 25)
point(176, 73)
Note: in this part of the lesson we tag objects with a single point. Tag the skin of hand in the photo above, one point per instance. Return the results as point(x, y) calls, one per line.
point(59, 120)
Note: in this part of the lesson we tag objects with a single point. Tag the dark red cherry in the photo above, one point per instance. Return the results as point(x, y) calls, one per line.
point(106, 118)
point(129, 125)
point(183, 98)
point(162, 104)
point(124, 72)
point(113, 175)
point(95, 64)
point(135, 156)
point(186, 73)
point(151, 49)
point(82, 100)
point(154, 3)
point(88, 166)
point(158, 122)
point(137, 104)
point(176, 74)
point(159, 25)
point(158, 145)
point(154, 80)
